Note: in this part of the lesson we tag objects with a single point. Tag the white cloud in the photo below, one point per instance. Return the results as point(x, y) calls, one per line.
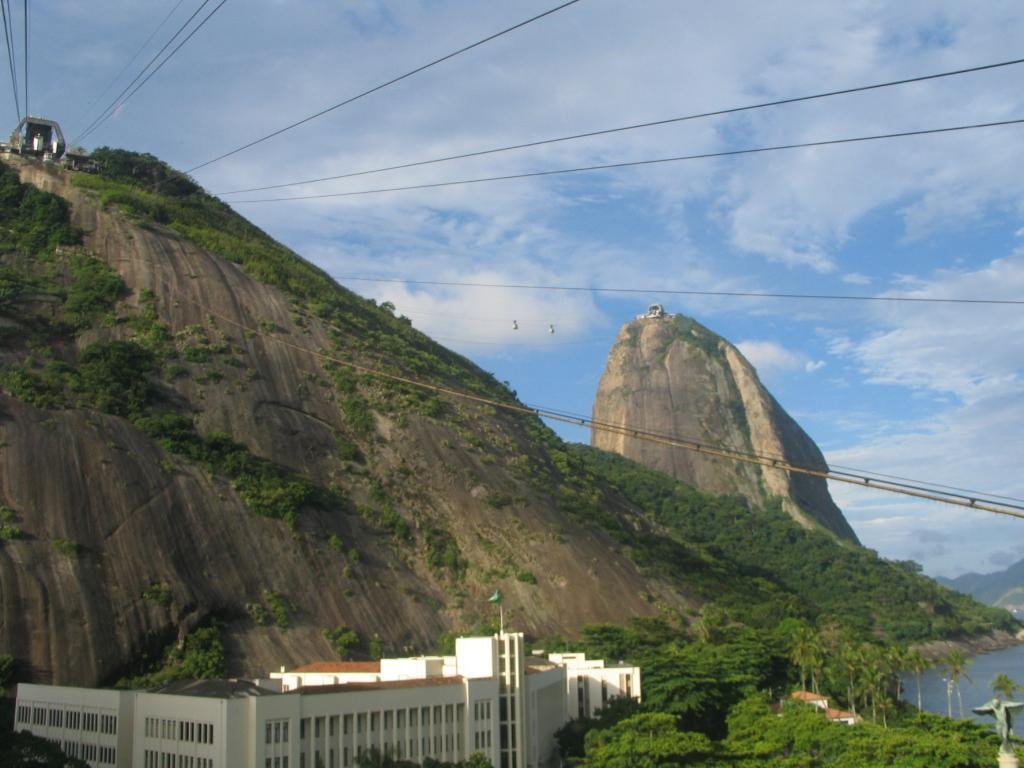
point(812, 366)
point(974, 354)
point(856, 278)
point(770, 356)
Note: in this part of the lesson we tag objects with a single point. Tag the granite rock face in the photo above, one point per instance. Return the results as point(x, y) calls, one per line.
point(106, 513)
point(673, 376)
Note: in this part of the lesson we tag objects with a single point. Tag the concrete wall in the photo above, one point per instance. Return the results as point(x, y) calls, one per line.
point(546, 712)
point(91, 724)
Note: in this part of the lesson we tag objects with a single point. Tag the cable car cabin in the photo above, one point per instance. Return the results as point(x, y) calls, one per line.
point(39, 137)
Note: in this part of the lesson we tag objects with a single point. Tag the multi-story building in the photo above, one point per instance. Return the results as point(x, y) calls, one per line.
point(489, 697)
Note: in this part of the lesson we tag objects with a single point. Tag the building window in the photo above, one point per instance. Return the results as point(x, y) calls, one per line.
point(284, 731)
point(269, 731)
point(374, 721)
point(277, 733)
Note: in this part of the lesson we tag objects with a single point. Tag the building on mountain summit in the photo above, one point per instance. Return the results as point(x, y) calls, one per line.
point(490, 697)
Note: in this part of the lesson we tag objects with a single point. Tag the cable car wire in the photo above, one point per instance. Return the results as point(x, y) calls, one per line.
point(376, 88)
point(9, 39)
point(636, 163)
point(122, 97)
point(896, 480)
point(24, 8)
point(694, 292)
point(920, 490)
point(174, 51)
point(633, 127)
point(135, 56)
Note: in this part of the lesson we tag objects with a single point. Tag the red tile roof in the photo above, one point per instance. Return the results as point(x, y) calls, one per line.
point(807, 696)
point(338, 667)
point(838, 714)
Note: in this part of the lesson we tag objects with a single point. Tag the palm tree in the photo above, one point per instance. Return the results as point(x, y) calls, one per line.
point(916, 663)
point(956, 664)
point(1004, 685)
point(807, 655)
point(850, 660)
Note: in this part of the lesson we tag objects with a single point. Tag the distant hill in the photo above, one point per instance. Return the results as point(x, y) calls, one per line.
point(1004, 589)
point(669, 374)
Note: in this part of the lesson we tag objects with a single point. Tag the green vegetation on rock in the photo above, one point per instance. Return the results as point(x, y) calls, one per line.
point(800, 572)
point(200, 656)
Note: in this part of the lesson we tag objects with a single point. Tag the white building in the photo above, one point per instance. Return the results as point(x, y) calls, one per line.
point(489, 697)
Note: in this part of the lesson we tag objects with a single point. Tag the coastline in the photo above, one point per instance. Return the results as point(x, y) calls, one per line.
point(972, 646)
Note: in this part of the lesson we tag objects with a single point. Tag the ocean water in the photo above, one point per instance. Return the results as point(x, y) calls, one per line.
point(975, 691)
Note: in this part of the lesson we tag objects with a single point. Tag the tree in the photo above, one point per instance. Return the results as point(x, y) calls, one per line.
point(1002, 684)
point(646, 740)
point(916, 663)
point(342, 640)
point(850, 661)
point(808, 655)
point(956, 666)
point(6, 671)
point(24, 749)
point(376, 646)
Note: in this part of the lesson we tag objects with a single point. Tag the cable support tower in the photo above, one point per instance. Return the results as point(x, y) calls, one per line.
point(382, 86)
point(633, 127)
point(637, 163)
point(134, 56)
point(691, 292)
point(866, 480)
point(129, 90)
point(5, 8)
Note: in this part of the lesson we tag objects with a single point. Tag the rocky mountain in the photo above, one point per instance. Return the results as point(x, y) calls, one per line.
point(667, 373)
point(204, 438)
point(1001, 588)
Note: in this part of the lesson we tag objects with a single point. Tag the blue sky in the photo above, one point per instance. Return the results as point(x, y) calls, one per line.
point(929, 392)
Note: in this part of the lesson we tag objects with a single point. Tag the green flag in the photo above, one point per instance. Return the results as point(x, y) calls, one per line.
point(496, 597)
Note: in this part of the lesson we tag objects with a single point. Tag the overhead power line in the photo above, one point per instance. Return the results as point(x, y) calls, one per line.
point(633, 127)
point(671, 292)
point(867, 480)
point(9, 39)
point(133, 87)
point(636, 163)
point(376, 88)
point(135, 56)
